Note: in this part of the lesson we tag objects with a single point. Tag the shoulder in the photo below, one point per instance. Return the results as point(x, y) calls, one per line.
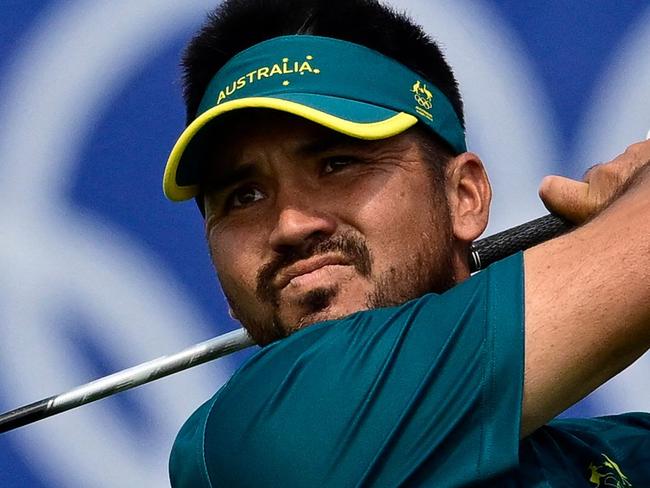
point(610, 427)
point(436, 360)
point(604, 450)
point(493, 297)
point(481, 317)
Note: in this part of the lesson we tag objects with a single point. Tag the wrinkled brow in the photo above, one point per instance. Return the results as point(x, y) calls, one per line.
point(331, 141)
point(228, 176)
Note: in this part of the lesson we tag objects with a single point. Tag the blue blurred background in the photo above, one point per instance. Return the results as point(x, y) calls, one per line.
point(99, 272)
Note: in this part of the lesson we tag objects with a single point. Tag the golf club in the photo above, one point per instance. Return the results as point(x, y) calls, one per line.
point(482, 253)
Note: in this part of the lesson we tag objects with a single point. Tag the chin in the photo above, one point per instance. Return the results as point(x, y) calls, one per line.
point(322, 305)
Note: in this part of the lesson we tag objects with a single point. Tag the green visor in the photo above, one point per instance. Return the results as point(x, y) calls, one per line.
point(340, 85)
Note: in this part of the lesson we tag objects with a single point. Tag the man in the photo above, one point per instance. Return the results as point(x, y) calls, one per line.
point(325, 147)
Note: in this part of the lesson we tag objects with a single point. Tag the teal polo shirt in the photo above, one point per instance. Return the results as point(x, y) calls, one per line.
point(427, 394)
point(424, 394)
point(604, 452)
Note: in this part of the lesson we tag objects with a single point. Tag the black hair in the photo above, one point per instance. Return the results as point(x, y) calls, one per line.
point(239, 24)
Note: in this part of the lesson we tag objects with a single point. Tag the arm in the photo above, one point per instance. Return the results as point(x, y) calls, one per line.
point(588, 292)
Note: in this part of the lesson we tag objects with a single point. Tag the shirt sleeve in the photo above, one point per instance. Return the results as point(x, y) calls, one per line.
point(428, 393)
point(598, 452)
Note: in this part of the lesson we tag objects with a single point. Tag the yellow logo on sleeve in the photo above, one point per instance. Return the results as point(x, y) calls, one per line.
point(608, 474)
point(284, 67)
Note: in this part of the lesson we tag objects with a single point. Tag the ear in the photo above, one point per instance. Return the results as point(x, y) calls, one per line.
point(469, 195)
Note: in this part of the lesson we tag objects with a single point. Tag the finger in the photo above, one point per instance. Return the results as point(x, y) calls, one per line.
point(566, 198)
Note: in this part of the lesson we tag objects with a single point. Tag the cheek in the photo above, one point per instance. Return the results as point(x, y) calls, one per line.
point(396, 211)
point(397, 224)
point(236, 265)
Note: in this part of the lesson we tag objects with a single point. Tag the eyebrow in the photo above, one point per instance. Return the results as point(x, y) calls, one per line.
point(332, 141)
point(230, 176)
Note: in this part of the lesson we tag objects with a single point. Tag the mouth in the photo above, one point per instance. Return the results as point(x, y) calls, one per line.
point(302, 271)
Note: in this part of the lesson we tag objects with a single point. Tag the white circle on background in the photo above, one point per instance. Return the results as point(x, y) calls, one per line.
point(507, 113)
point(59, 262)
point(619, 115)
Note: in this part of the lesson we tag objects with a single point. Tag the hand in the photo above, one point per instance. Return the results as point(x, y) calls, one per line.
point(577, 201)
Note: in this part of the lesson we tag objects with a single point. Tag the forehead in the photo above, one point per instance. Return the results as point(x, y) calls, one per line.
point(243, 129)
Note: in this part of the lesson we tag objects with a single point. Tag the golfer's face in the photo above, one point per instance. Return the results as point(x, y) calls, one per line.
point(306, 225)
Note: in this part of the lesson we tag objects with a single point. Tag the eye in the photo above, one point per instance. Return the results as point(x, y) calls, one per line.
point(243, 196)
point(338, 163)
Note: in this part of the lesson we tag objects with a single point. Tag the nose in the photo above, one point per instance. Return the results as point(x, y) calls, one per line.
point(297, 226)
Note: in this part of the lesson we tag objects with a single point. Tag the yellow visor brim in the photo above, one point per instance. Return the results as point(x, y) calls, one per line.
point(396, 123)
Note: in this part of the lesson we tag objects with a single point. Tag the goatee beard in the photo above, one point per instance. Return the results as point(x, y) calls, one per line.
point(352, 248)
point(429, 270)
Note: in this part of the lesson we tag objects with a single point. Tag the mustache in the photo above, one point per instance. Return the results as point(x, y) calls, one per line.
point(353, 248)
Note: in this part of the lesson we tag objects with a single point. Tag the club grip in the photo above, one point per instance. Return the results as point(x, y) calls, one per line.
point(503, 244)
